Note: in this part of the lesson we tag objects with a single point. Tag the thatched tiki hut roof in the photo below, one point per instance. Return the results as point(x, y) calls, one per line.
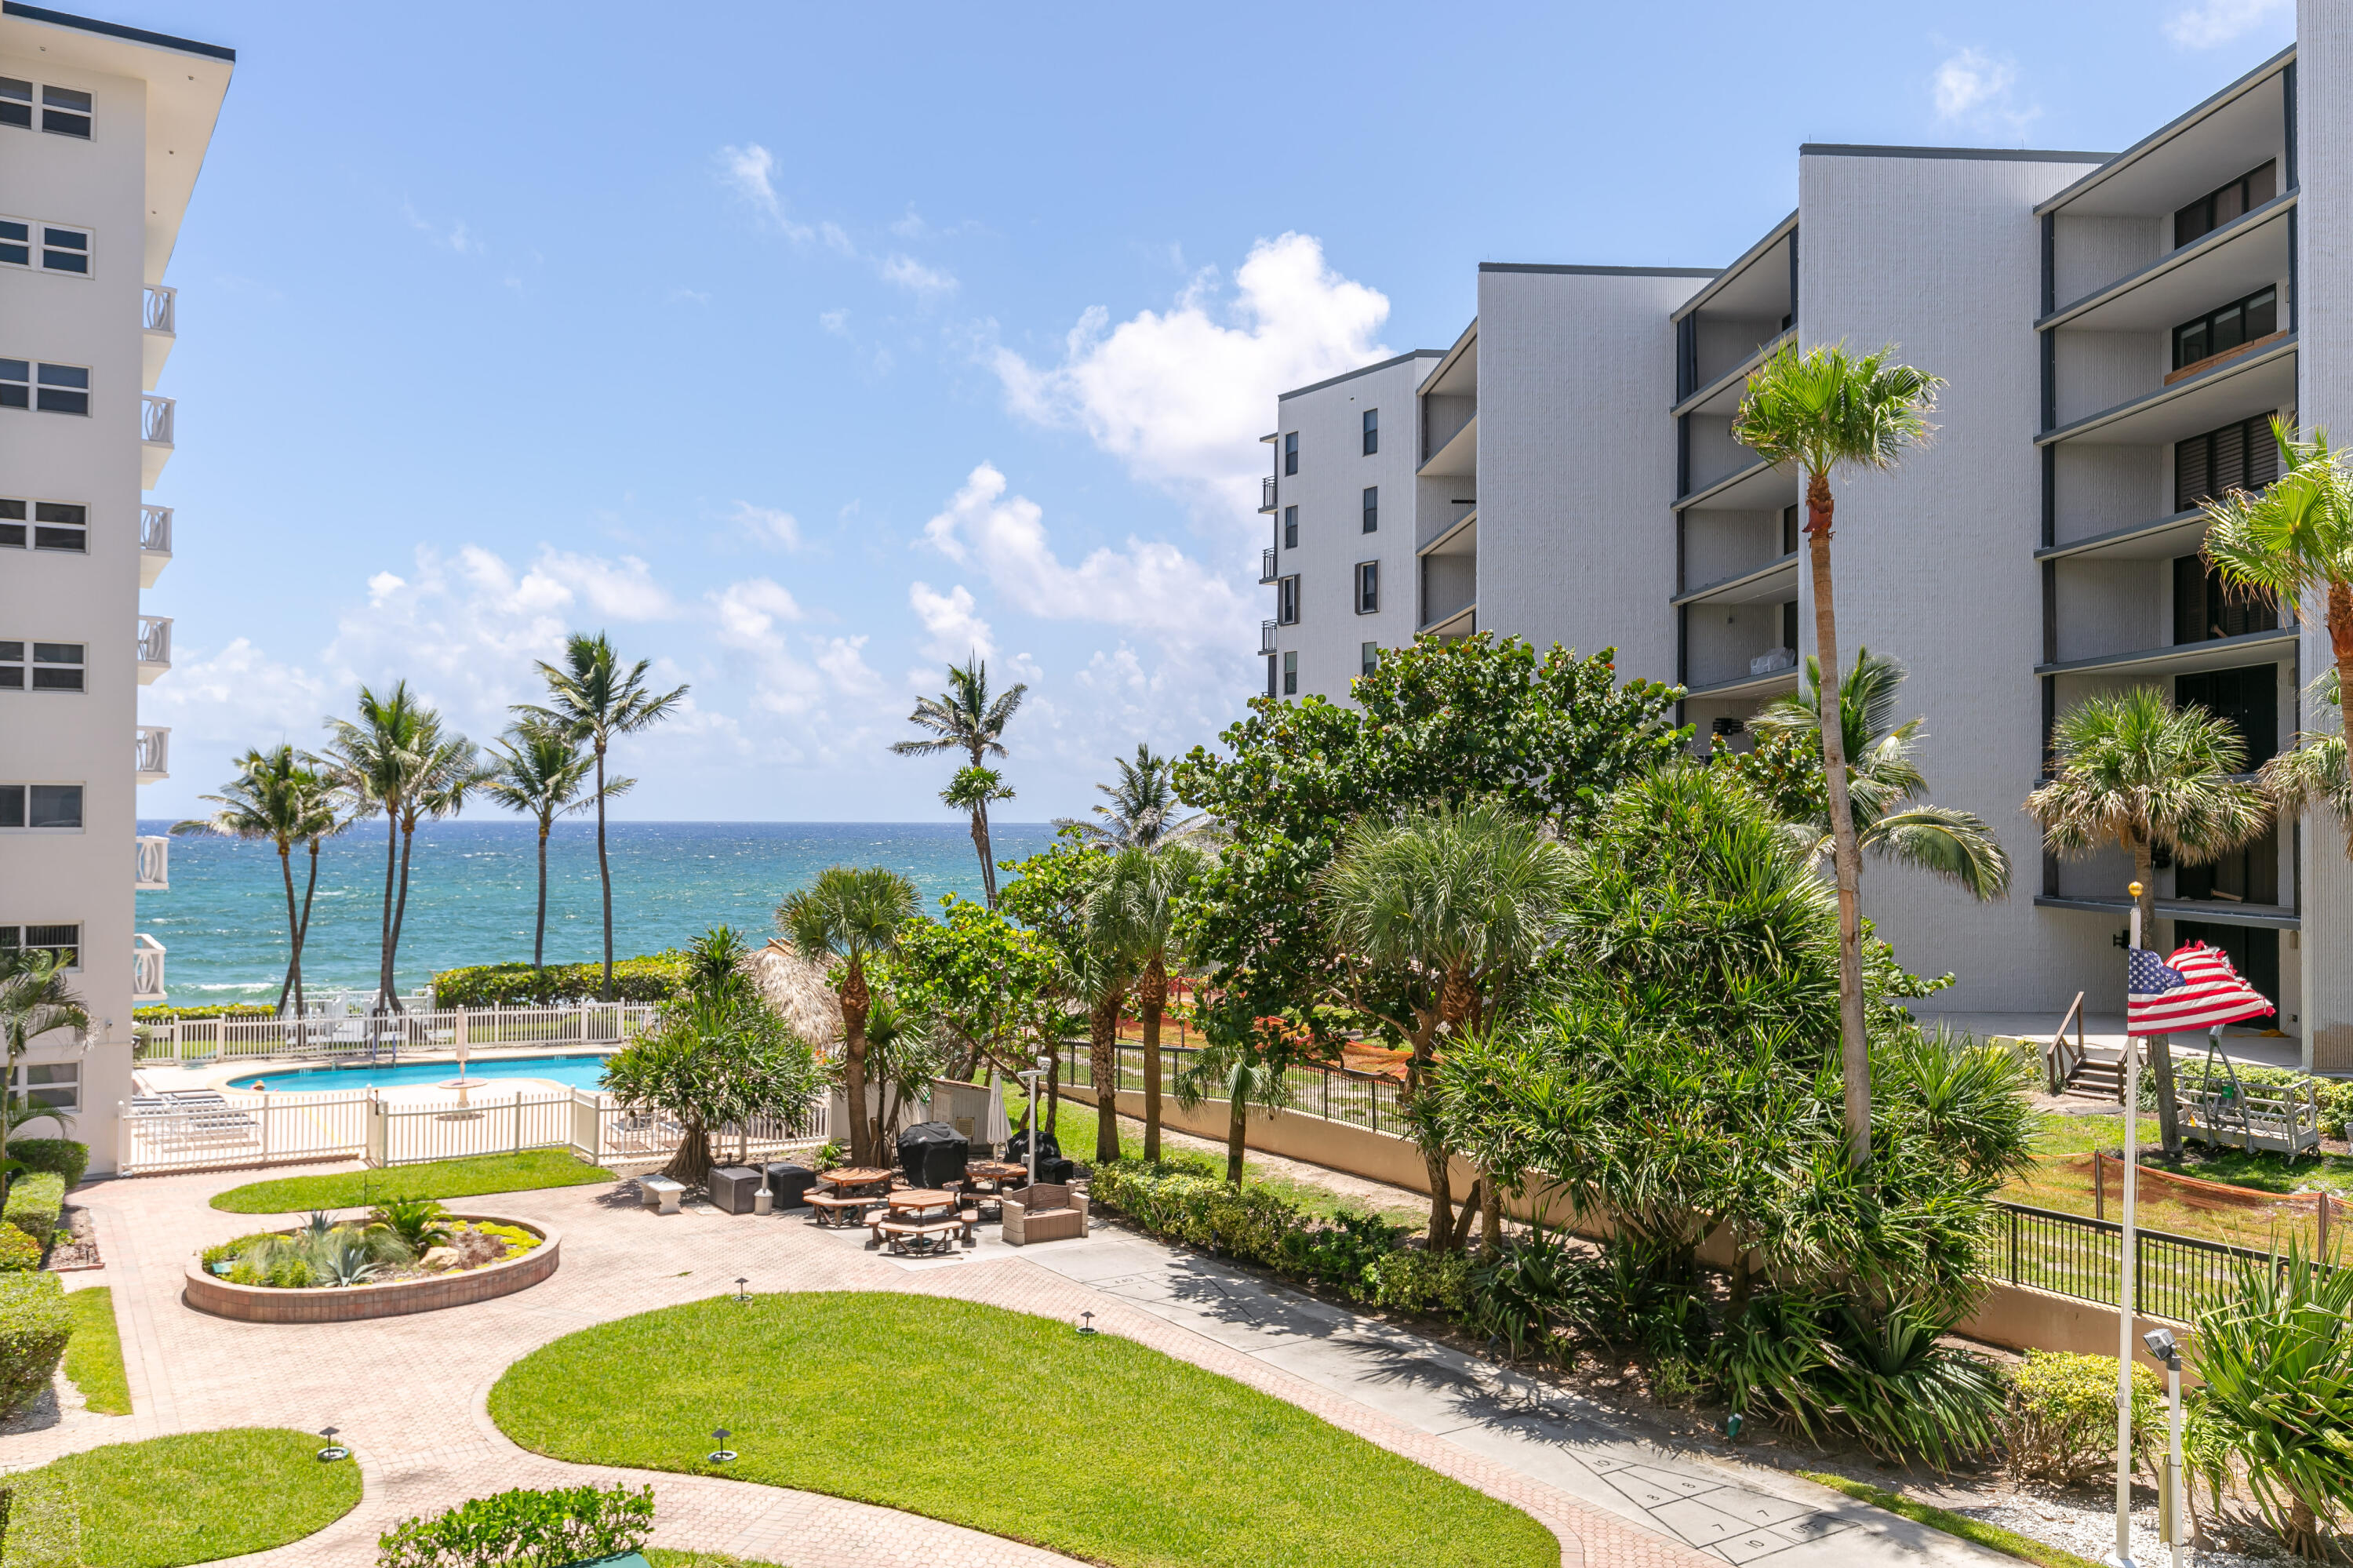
point(796, 988)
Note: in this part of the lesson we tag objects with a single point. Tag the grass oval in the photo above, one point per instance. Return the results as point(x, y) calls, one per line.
point(1007, 1423)
point(194, 1497)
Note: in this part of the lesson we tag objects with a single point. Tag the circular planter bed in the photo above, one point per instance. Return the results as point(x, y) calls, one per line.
point(208, 1292)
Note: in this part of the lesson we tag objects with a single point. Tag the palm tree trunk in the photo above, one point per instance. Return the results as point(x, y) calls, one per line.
point(691, 1164)
point(539, 926)
point(1103, 1042)
point(2160, 1046)
point(980, 847)
point(384, 951)
point(2340, 643)
point(605, 875)
point(302, 938)
point(854, 1000)
point(1151, 1000)
point(1237, 1128)
point(1854, 1046)
point(1491, 1215)
point(1434, 1159)
point(293, 922)
point(400, 911)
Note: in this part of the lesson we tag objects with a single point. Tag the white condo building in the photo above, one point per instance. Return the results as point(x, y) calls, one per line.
point(2115, 332)
point(102, 130)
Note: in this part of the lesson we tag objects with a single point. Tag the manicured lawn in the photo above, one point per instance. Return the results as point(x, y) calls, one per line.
point(94, 1354)
point(1993, 1536)
point(1006, 1422)
point(195, 1498)
point(443, 1179)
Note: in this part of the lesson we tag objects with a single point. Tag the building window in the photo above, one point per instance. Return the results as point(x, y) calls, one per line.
point(1789, 627)
point(1270, 674)
point(53, 525)
point(1372, 509)
point(1291, 452)
point(1290, 527)
point(2221, 331)
point(2248, 699)
point(2241, 455)
point(61, 249)
point(2217, 207)
point(55, 666)
point(15, 102)
point(53, 1084)
point(52, 388)
point(1369, 587)
point(1370, 654)
point(64, 939)
point(1290, 674)
point(65, 111)
point(2204, 609)
point(1372, 432)
point(1286, 602)
point(1789, 530)
point(52, 806)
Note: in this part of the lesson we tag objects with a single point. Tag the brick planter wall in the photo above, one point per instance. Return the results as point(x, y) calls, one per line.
point(208, 1292)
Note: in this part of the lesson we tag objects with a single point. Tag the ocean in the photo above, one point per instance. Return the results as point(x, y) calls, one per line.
point(472, 885)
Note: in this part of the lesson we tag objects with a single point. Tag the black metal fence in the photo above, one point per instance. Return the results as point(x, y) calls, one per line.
point(1356, 1100)
point(2173, 1277)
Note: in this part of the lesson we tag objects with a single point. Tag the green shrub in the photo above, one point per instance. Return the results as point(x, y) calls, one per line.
point(1412, 1280)
point(61, 1155)
point(658, 977)
point(34, 1328)
point(2062, 1422)
point(228, 1251)
point(35, 1200)
point(162, 1014)
point(523, 1530)
point(18, 1252)
point(1525, 1293)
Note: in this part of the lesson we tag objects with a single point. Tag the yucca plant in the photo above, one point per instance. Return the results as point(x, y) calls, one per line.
point(1904, 1393)
point(419, 1223)
point(2277, 1361)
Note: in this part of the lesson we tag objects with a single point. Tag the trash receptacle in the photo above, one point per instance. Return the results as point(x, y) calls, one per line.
point(732, 1188)
point(933, 1153)
point(788, 1185)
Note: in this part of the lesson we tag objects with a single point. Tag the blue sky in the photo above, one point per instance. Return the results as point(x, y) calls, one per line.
point(802, 349)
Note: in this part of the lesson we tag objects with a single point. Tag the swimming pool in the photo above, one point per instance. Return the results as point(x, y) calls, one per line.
point(582, 1072)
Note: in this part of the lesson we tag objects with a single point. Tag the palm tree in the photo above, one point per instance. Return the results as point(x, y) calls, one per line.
point(592, 699)
point(279, 796)
point(2129, 768)
point(850, 914)
point(965, 718)
point(1098, 970)
point(34, 1000)
point(1145, 812)
point(378, 762)
point(1429, 919)
point(1131, 909)
point(1881, 778)
point(1243, 1078)
point(449, 767)
point(972, 790)
point(1823, 410)
point(539, 772)
point(2291, 544)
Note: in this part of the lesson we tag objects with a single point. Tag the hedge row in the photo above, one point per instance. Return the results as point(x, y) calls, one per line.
point(34, 1328)
point(61, 1155)
point(162, 1014)
point(1361, 1257)
point(37, 1200)
point(658, 977)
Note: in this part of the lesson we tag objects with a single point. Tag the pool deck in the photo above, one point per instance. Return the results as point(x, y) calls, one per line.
point(160, 1077)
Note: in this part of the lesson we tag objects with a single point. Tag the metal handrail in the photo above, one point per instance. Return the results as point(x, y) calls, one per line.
point(156, 530)
point(163, 309)
point(154, 639)
point(1266, 565)
point(1266, 492)
point(2059, 1061)
point(151, 749)
point(1266, 636)
point(156, 419)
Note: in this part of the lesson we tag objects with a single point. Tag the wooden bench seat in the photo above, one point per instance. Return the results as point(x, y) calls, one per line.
point(825, 1209)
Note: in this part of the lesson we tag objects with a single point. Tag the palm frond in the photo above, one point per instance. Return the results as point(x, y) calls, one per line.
point(1823, 409)
point(1956, 845)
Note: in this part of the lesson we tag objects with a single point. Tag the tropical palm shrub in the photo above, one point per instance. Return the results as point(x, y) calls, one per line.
point(318, 1254)
point(1898, 1390)
point(1524, 1295)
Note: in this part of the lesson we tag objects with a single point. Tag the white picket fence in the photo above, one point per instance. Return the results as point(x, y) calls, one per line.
point(290, 1127)
point(381, 1037)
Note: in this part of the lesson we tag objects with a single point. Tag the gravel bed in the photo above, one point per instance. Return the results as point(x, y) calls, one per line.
point(2084, 1522)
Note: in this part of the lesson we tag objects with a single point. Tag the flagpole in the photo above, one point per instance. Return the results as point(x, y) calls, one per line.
point(2124, 1283)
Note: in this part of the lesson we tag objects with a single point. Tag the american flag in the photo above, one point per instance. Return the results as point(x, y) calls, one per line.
point(2195, 987)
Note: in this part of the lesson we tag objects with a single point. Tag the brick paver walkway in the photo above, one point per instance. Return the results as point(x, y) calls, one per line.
point(410, 1393)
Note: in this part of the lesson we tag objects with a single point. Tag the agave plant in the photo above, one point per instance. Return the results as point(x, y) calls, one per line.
point(1902, 1392)
point(345, 1257)
point(420, 1223)
point(318, 1227)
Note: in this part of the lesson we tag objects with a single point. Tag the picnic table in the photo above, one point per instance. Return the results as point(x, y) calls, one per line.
point(987, 1178)
point(848, 1180)
point(920, 1221)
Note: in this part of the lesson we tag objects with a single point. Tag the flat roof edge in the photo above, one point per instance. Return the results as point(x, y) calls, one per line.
point(1599, 271)
point(1739, 264)
point(1406, 358)
point(1993, 155)
point(117, 30)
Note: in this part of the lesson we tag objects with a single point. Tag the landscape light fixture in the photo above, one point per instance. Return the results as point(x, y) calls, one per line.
point(2171, 1515)
point(722, 1454)
point(1087, 1323)
point(333, 1450)
point(741, 1299)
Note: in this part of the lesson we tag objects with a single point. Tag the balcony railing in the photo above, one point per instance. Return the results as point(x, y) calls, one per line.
point(1266, 636)
point(156, 419)
point(163, 309)
point(151, 867)
point(147, 968)
point(154, 753)
point(1266, 565)
point(155, 640)
point(156, 530)
point(1266, 493)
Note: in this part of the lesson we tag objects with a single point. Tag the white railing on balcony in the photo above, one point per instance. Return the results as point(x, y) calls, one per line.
point(1266, 566)
point(156, 530)
point(1266, 636)
point(147, 968)
point(1266, 492)
point(153, 865)
point(162, 308)
point(154, 639)
point(154, 750)
point(156, 419)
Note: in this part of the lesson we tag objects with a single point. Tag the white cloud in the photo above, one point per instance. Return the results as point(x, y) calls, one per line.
point(1974, 88)
point(1152, 586)
point(843, 659)
point(1181, 396)
point(926, 284)
point(766, 525)
point(217, 706)
point(2202, 27)
point(751, 169)
point(748, 617)
point(456, 237)
point(952, 630)
point(620, 591)
point(834, 322)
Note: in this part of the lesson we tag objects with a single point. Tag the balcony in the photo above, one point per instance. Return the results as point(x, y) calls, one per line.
point(154, 647)
point(1266, 568)
point(1266, 492)
point(1266, 637)
point(2185, 658)
point(154, 753)
point(1771, 583)
point(159, 321)
point(151, 867)
point(146, 969)
point(154, 543)
point(2255, 381)
point(155, 438)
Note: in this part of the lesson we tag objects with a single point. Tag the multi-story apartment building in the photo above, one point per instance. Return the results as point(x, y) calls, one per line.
point(2115, 331)
point(102, 129)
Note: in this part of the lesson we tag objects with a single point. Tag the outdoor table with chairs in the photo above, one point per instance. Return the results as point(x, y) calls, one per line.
point(988, 1179)
point(922, 1220)
point(851, 1192)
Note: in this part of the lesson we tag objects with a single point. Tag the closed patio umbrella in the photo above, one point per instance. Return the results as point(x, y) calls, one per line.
point(996, 1129)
